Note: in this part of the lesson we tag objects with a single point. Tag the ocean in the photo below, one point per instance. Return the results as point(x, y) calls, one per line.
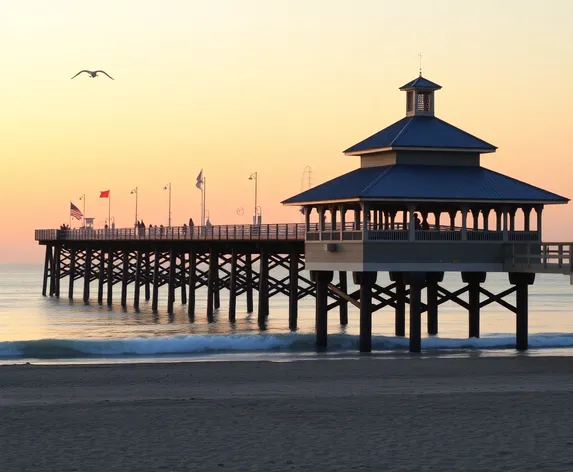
point(39, 329)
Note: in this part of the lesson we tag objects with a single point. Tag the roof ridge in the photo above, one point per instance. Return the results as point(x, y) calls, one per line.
point(375, 181)
point(401, 131)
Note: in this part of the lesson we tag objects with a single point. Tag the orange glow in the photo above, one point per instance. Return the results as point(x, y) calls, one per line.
point(235, 87)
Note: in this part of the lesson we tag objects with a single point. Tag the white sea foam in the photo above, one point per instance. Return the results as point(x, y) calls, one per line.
point(293, 343)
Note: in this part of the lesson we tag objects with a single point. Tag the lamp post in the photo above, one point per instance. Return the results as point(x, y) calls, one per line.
point(83, 198)
point(309, 170)
point(134, 192)
point(254, 176)
point(168, 187)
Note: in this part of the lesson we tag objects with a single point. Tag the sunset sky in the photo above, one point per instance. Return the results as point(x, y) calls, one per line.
point(268, 86)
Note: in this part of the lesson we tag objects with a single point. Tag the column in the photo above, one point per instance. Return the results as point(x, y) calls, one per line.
point(432, 300)
point(366, 280)
point(411, 226)
point(464, 223)
point(321, 279)
point(521, 280)
point(343, 303)
point(527, 218)
point(233, 287)
point(416, 281)
point(400, 310)
point(473, 279)
point(72, 273)
point(539, 210)
point(293, 291)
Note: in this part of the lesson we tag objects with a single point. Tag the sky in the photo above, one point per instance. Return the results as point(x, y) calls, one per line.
point(241, 86)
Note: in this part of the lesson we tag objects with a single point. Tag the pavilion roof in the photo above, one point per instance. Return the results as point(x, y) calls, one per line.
point(421, 132)
point(423, 183)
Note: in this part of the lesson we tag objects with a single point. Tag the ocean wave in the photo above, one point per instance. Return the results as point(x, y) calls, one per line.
point(293, 343)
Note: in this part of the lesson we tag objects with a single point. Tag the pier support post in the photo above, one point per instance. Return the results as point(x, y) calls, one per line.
point(416, 282)
point(263, 286)
point(249, 281)
point(109, 276)
point(124, 277)
point(57, 270)
point(101, 276)
point(366, 280)
point(321, 279)
point(343, 282)
point(474, 279)
point(183, 278)
point(233, 287)
point(216, 288)
point(400, 310)
point(47, 268)
point(432, 300)
point(213, 268)
point(155, 296)
point(72, 273)
point(137, 281)
point(192, 284)
point(293, 292)
point(171, 281)
point(87, 274)
point(521, 281)
point(147, 276)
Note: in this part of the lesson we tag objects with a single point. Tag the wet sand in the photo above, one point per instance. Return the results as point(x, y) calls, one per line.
point(424, 414)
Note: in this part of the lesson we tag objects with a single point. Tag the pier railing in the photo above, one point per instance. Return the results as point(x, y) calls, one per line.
point(540, 257)
point(284, 231)
point(294, 231)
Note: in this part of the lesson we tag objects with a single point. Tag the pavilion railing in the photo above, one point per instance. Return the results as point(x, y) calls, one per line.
point(540, 257)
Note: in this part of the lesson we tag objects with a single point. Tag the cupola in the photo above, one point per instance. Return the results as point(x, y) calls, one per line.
point(420, 96)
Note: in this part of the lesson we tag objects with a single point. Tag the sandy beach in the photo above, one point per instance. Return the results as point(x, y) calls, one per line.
point(479, 414)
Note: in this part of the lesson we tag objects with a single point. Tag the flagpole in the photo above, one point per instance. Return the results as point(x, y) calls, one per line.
point(204, 198)
point(84, 199)
point(70, 225)
point(109, 209)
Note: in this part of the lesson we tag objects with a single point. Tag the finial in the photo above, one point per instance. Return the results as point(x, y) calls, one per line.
point(420, 56)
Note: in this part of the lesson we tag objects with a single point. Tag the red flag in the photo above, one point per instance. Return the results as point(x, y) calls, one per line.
point(104, 194)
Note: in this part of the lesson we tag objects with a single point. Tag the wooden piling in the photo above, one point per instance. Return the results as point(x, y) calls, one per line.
point(432, 301)
point(56, 271)
point(101, 276)
point(233, 287)
point(137, 281)
point(216, 288)
point(110, 276)
point(213, 268)
point(47, 268)
point(321, 279)
point(473, 279)
point(124, 277)
point(366, 280)
point(171, 281)
point(87, 274)
point(293, 292)
point(343, 281)
point(148, 276)
point(155, 291)
point(72, 273)
point(263, 286)
point(400, 309)
point(249, 281)
point(192, 284)
point(521, 281)
point(183, 278)
point(416, 281)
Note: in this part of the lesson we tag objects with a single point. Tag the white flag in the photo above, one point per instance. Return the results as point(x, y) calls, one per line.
point(199, 183)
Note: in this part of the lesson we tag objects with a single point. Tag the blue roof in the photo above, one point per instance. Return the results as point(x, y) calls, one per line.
point(422, 132)
point(421, 83)
point(426, 182)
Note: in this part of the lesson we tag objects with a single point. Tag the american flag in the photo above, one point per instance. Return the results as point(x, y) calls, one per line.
point(75, 212)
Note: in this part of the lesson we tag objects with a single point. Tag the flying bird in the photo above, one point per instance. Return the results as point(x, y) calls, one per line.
point(93, 73)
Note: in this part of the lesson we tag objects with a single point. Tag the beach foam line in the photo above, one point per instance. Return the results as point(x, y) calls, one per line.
point(293, 343)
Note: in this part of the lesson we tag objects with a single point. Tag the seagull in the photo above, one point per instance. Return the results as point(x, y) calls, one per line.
point(93, 73)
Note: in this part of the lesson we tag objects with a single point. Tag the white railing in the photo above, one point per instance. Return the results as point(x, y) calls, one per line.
point(540, 257)
point(295, 231)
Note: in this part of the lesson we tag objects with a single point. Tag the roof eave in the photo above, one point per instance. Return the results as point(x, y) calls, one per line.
point(423, 200)
point(417, 148)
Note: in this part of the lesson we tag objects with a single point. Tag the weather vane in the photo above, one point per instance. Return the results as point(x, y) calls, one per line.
point(420, 56)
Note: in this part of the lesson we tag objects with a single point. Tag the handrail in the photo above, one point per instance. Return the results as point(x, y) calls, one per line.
point(282, 231)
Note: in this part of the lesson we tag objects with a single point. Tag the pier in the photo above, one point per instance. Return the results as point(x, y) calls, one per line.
point(419, 205)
